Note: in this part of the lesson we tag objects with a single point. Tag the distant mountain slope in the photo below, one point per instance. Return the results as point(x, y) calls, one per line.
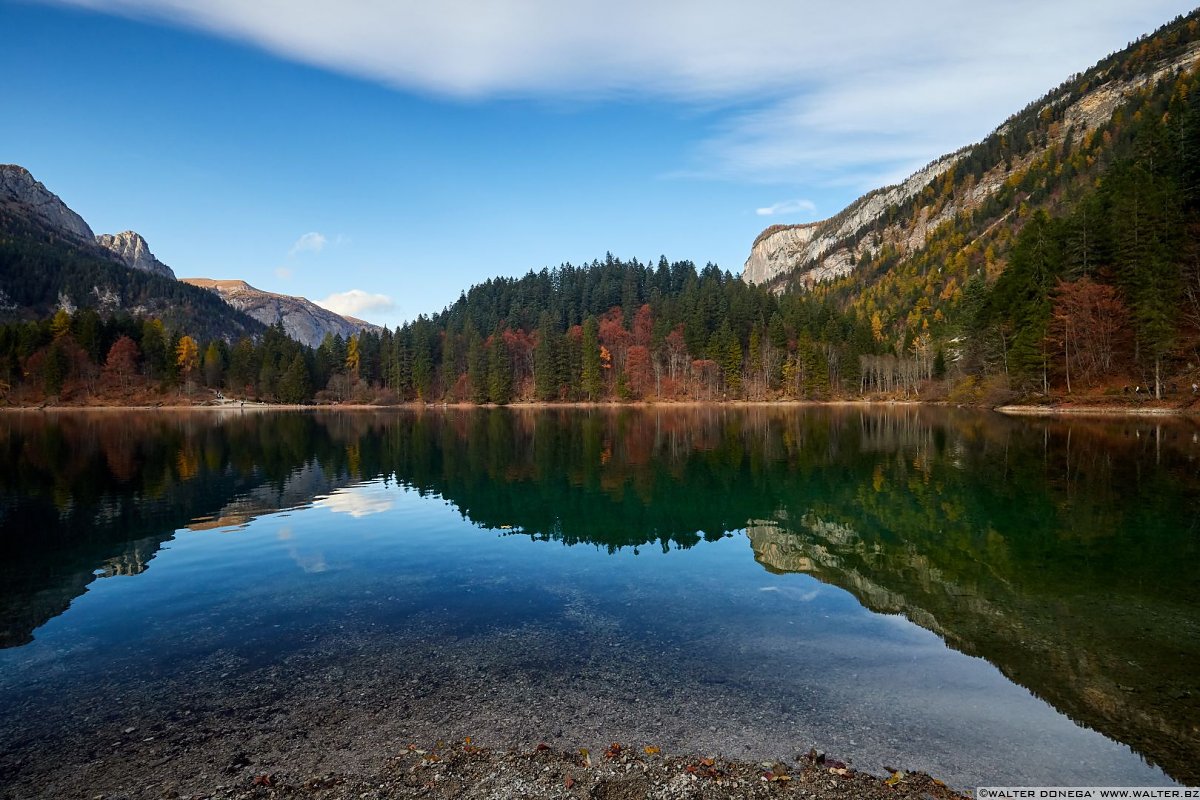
point(302, 319)
point(975, 184)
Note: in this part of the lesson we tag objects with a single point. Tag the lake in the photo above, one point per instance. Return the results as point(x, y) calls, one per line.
point(989, 599)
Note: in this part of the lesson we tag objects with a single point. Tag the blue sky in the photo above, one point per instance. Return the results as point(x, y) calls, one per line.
point(381, 157)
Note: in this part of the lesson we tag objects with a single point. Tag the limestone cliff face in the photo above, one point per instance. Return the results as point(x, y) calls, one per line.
point(133, 251)
point(302, 319)
point(802, 255)
point(18, 187)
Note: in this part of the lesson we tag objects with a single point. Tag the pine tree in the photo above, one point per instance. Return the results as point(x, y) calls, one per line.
point(499, 371)
point(422, 358)
point(591, 378)
point(295, 386)
point(477, 365)
point(545, 360)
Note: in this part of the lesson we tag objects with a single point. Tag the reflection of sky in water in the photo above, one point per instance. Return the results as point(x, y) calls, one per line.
point(359, 501)
point(792, 651)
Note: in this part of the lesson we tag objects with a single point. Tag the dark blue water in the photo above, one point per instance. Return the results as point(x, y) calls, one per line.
point(332, 596)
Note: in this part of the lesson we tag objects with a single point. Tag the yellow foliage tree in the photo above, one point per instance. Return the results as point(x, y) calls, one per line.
point(353, 356)
point(877, 327)
point(187, 356)
point(61, 324)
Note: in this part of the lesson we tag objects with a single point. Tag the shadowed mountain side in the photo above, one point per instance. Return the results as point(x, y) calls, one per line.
point(42, 270)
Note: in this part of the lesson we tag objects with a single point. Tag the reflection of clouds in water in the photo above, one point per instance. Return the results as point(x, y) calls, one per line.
point(359, 501)
point(793, 594)
point(309, 562)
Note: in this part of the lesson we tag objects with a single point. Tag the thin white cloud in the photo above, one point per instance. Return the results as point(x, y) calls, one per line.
point(356, 302)
point(810, 91)
point(283, 273)
point(310, 242)
point(787, 207)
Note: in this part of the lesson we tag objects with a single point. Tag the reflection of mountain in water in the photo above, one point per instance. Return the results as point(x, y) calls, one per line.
point(1062, 552)
point(84, 496)
point(1059, 551)
point(301, 486)
point(1126, 669)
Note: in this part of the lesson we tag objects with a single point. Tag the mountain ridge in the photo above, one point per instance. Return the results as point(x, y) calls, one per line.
point(32, 212)
point(805, 254)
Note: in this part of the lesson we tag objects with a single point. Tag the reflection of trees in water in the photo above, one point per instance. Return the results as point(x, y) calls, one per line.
point(1058, 549)
point(101, 491)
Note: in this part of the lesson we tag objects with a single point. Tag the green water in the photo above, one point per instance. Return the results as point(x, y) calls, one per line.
point(984, 597)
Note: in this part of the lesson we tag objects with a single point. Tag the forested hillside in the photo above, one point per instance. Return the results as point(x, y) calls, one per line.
point(1080, 270)
point(42, 270)
point(1059, 257)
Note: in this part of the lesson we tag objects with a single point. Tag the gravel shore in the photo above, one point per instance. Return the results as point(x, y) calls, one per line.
point(463, 770)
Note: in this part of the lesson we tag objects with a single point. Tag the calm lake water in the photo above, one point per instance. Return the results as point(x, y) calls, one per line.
point(991, 600)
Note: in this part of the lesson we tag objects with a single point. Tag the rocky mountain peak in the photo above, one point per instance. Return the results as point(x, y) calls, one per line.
point(19, 187)
point(133, 251)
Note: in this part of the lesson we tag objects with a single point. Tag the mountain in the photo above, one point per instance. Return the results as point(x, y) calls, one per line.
point(302, 319)
point(1061, 253)
point(29, 197)
point(50, 259)
point(827, 249)
point(133, 251)
point(22, 193)
point(959, 185)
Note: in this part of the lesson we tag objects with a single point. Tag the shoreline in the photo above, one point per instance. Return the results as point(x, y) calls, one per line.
point(1009, 409)
point(1110, 411)
point(462, 769)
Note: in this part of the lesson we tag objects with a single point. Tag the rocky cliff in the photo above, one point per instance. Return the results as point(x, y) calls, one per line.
point(903, 217)
point(133, 252)
point(302, 319)
point(19, 188)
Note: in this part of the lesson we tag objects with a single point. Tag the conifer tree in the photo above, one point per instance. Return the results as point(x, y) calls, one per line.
point(591, 378)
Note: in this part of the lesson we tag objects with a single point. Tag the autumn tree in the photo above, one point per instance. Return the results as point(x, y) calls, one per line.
point(353, 357)
point(187, 357)
point(1090, 325)
point(121, 363)
point(640, 375)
